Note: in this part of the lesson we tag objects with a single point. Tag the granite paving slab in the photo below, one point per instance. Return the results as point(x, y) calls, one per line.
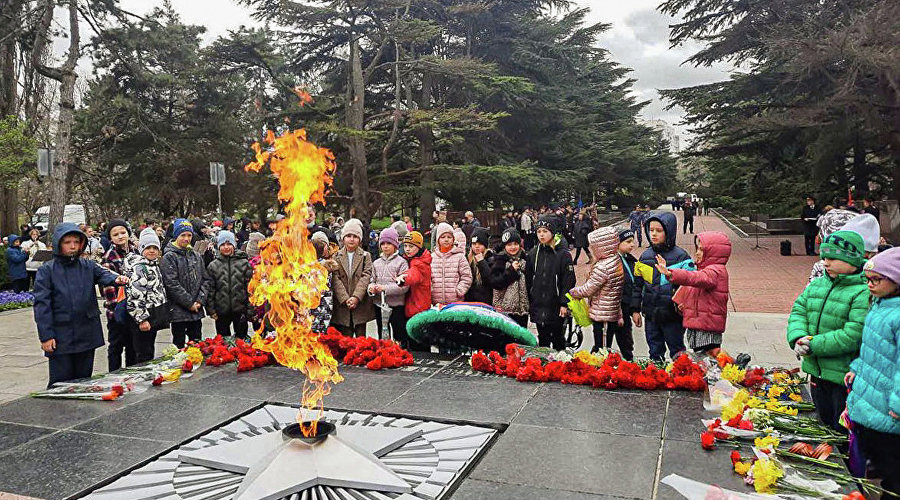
point(169, 417)
point(64, 463)
point(476, 489)
point(468, 400)
point(358, 391)
point(683, 420)
point(588, 409)
point(12, 435)
point(56, 413)
point(566, 459)
point(689, 460)
point(259, 384)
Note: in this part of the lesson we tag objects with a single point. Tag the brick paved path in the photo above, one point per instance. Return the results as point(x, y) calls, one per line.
point(762, 280)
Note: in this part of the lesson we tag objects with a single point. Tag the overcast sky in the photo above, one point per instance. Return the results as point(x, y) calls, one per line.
point(638, 39)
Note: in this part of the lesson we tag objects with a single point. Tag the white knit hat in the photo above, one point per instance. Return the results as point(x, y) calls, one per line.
point(148, 238)
point(352, 226)
point(867, 226)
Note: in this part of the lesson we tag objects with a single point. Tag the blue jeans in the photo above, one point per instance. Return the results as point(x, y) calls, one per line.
point(662, 335)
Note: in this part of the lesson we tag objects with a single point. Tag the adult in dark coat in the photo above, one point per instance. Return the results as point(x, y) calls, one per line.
point(582, 227)
point(549, 275)
point(810, 215)
point(689, 211)
point(65, 306)
point(184, 276)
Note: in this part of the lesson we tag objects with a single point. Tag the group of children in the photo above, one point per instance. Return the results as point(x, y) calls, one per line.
point(412, 279)
point(623, 292)
point(844, 327)
point(146, 288)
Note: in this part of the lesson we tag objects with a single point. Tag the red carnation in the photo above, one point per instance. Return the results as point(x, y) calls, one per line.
point(375, 364)
point(735, 457)
point(708, 441)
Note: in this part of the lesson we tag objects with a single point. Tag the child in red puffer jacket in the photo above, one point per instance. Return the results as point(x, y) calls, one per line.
point(704, 300)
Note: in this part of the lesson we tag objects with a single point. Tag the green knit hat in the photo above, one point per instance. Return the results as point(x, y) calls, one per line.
point(847, 246)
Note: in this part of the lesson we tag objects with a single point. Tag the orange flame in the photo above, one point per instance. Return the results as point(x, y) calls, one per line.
point(289, 277)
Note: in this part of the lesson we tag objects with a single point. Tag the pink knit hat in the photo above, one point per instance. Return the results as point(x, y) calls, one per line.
point(389, 235)
point(887, 264)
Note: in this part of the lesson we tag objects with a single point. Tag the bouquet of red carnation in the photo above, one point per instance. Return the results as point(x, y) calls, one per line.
point(577, 373)
point(481, 363)
point(531, 371)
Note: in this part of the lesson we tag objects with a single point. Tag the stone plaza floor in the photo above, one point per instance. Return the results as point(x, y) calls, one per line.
point(552, 440)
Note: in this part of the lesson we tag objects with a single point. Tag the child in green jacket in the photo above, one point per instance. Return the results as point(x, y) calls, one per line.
point(825, 326)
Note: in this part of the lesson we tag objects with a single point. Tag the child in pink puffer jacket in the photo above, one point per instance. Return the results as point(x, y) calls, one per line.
point(451, 275)
point(603, 287)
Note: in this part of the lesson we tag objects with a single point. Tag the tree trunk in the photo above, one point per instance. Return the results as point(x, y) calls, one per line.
point(66, 75)
point(9, 199)
point(426, 157)
point(356, 144)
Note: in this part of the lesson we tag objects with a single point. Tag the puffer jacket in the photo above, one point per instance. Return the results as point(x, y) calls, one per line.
point(451, 276)
point(384, 273)
point(603, 287)
point(16, 259)
point(145, 290)
point(418, 279)
point(184, 276)
point(655, 297)
point(549, 275)
point(228, 277)
point(65, 298)
point(705, 301)
point(876, 388)
point(511, 289)
point(832, 311)
point(629, 304)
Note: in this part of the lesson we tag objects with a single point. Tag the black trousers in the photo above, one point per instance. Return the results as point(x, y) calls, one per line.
point(119, 338)
point(521, 319)
point(73, 366)
point(578, 254)
point(688, 221)
point(20, 285)
point(352, 331)
point(224, 322)
point(809, 241)
point(32, 275)
point(193, 330)
point(830, 400)
point(142, 345)
point(621, 334)
point(551, 334)
point(883, 450)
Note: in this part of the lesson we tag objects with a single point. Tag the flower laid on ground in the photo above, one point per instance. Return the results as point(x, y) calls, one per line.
point(733, 374)
point(607, 371)
point(218, 352)
point(765, 475)
point(13, 300)
point(365, 351)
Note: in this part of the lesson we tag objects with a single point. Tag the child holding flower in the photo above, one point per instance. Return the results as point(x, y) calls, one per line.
point(826, 321)
point(874, 377)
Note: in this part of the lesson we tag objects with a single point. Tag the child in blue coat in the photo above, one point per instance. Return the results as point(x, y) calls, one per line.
point(874, 377)
point(65, 306)
point(15, 259)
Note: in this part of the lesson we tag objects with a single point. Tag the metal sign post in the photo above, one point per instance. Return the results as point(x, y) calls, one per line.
point(217, 178)
point(45, 159)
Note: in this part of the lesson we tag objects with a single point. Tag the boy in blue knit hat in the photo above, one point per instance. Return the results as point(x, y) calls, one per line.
point(184, 276)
